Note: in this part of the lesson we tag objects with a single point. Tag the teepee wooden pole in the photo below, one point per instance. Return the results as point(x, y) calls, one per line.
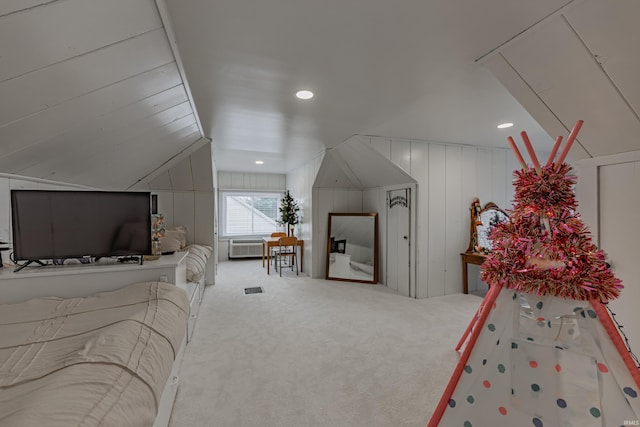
point(611, 329)
point(514, 147)
point(532, 153)
point(572, 137)
point(467, 331)
point(489, 300)
point(552, 156)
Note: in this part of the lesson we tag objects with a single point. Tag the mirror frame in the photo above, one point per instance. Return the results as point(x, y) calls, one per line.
point(333, 215)
point(476, 213)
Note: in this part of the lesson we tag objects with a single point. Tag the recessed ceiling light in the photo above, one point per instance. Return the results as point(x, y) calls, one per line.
point(259, 162)
point(304, 94)
point(504, 125)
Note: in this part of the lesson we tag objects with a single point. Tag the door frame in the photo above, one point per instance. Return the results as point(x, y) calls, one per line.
point(413, 244)
point(588, 172)
point(401, 269)
point(588, 195)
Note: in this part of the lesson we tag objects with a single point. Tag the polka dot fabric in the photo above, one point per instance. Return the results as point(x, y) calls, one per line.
point(542, 362)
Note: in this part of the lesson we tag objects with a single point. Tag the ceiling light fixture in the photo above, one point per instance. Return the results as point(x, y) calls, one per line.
point(304, 94)
point(504, 125)
point(259, 162)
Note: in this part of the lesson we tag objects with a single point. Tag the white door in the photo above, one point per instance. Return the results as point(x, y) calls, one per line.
point(398, 240)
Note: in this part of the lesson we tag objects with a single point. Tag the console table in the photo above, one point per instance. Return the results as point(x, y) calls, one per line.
point(469, 258)
point(79, 280)
point(481, 221)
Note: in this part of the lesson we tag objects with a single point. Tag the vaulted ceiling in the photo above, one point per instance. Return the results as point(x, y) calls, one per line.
point(91, 92)
point(109, 93)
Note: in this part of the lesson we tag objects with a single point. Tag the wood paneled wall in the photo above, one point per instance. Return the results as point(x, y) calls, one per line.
point(92, 92)
point(608, 205)
point(186, 196)
point(252, 181)
point(300, 182)
point(578, 64)
point(449, 176)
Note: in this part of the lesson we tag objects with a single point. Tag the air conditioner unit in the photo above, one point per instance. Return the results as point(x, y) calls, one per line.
point(245, 248)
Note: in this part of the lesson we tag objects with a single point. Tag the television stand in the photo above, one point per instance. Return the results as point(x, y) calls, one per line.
point(76, 280)
point(21, 266)
point(131, 259)
point(128, 259)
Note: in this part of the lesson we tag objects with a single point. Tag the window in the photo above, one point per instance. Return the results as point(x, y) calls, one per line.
point(246, 214)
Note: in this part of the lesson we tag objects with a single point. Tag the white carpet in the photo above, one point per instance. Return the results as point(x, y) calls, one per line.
point(316, 353)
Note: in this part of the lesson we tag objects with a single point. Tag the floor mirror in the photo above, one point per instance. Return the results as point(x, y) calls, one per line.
point(352, 247)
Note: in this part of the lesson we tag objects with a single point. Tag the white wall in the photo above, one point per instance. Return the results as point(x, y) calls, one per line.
point(449, 176)
point(251, 181)
point(299, 182)
point(608, 204)
point(247, 182)
point(186, 196)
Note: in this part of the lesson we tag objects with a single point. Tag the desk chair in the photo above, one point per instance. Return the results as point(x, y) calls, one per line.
point(287, 248)
point(274, 249)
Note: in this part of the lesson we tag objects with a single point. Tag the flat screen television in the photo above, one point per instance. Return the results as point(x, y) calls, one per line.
point(53, 225)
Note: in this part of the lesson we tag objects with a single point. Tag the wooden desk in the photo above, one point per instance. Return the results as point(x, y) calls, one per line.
point(272, 242)
point(470, 258)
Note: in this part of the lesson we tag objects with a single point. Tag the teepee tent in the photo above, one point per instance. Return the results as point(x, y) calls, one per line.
point(543, 350)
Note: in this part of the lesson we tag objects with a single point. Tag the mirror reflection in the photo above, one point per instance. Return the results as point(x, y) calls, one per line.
point(489, 217)
point(352, 247)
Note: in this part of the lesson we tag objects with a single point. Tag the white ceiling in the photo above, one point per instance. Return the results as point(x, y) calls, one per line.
point(91, 92)
point(583, 64)
point(377, 67)
point(109, 93)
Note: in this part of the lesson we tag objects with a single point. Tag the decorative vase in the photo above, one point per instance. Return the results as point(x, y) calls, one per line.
point(155, 247)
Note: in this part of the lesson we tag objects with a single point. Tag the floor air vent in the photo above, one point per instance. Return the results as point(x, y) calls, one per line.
point(256, 290)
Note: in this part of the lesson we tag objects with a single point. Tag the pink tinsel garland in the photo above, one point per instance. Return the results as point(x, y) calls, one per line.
point(561, 260)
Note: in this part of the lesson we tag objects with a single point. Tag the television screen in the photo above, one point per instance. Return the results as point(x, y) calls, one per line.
point(74, 224)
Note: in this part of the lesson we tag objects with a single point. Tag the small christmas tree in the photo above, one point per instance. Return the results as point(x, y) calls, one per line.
point(288, 211)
